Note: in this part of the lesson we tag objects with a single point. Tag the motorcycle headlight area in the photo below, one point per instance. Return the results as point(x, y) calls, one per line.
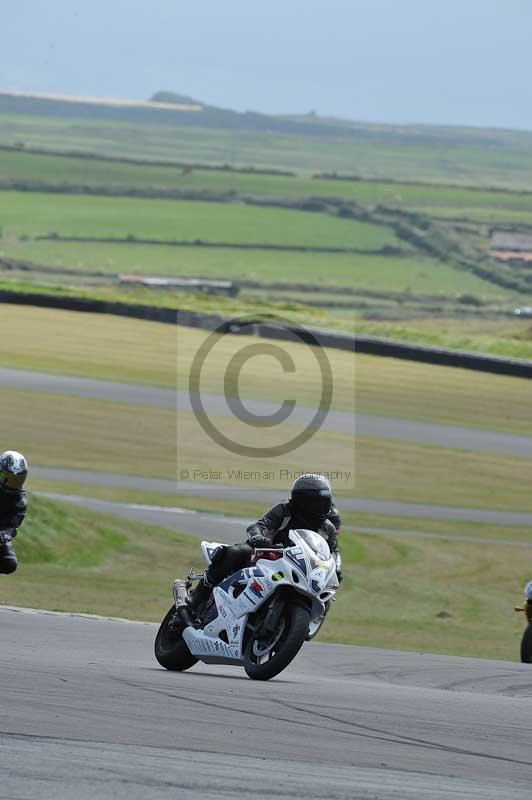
point(318, 580)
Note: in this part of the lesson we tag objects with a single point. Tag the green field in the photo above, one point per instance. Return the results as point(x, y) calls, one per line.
point(35, 214)
point(76, 560)
point(404, 282)
point(452, 155)
point(418, 274)
point(434, 199)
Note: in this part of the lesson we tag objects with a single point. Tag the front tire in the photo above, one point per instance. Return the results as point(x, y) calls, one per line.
point(526, 645)
point(315, 625)
point(287, 644)
point(171, 650)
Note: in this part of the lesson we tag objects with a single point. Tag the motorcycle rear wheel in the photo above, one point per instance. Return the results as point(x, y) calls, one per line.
point(526, 645)
point(286, 645)
point(171, 650)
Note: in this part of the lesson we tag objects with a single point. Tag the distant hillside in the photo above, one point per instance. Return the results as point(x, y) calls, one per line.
point(172, 108)
point(176, 127)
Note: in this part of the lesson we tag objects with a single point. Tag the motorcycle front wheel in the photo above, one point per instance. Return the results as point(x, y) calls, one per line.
point(266, 658)
point(526, 645)
point(171, 650)
point(315, 625)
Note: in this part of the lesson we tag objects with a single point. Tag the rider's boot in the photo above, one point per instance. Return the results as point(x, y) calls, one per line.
point(200, 594)
point(8, 558)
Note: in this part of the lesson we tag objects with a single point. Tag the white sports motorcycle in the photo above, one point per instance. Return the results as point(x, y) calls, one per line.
point(258, 617)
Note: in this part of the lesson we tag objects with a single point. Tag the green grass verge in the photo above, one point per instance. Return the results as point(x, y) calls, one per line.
point(412, 473)
point(407, 389)
point(289, 309)
point(78, 433)
point(72, 559)
point(436, 596)
point(35, 213)
point(413, 273)
point(80, 561)
point(111, 437)
point(253, 510)
point(91, 345)
point(510, 337)
point(58, 430)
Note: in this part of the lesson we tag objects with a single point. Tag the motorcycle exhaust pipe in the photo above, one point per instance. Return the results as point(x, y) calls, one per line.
point(180, 593)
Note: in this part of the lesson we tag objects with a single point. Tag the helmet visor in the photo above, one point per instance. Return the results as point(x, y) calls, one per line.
point(12, 483)
point(314, 506)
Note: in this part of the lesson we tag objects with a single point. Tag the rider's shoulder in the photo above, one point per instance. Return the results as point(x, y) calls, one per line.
point(281, 508)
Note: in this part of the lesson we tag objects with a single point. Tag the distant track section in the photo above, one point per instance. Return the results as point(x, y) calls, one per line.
point(249, 494)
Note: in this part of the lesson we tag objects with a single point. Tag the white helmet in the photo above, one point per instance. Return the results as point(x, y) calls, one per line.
point(13, 471)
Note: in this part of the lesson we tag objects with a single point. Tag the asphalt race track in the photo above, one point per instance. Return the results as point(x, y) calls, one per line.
point(138, 394)
point(426, 433)
point(87, 713)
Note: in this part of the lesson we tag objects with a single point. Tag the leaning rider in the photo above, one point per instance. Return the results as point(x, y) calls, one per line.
point(310, 506)
point(13, 473)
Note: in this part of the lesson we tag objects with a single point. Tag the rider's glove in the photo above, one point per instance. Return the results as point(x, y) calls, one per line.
point(259, 540)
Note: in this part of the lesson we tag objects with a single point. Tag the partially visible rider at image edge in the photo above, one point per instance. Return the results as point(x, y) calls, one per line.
point(13, 474)
point(310, 506)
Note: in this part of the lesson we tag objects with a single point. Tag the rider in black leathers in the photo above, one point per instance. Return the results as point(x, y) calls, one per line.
point(310, 506)
point(13, 473)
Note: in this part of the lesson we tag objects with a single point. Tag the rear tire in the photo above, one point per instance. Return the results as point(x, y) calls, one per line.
point(526, 645)
point(171, 650)
point(296, 621)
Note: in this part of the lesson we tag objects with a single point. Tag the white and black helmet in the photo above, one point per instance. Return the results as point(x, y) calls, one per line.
point(13, 471)
point(312, 496)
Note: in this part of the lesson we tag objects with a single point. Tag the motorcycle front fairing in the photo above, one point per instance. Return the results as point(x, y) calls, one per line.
point(245, 592)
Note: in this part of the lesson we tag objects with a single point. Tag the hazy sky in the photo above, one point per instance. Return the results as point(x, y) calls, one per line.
point(435, 61)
